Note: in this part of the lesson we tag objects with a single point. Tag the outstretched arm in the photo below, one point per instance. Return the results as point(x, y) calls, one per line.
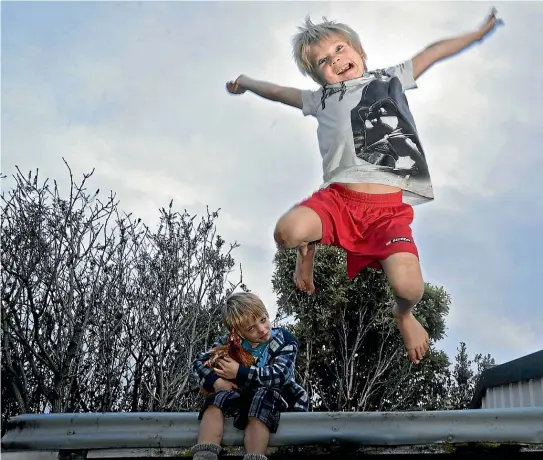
point(271, 91)
point(445, 48)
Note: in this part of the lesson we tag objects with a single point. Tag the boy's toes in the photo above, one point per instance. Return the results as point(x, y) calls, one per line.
point(412, 353)
point(416, 354)
point(420, 353)
point(422, 349)
point(304, 285)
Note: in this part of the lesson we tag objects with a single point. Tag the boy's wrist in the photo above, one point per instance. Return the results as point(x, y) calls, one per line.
point(479, 34)
point(243, 81)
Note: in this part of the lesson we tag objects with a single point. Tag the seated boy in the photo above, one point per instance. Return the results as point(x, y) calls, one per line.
point(255, 396)
point(374, 166)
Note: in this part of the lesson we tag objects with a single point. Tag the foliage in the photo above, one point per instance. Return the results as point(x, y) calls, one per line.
point(352, 356)
point(465, 377)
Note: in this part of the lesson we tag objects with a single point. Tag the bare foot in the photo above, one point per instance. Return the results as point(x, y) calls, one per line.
point(415, 338)
point(303, 274)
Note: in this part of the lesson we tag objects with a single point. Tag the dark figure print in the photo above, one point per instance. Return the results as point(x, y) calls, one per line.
point(384, 131)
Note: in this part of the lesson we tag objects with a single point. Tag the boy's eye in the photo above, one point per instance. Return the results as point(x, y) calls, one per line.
point(263, 320)
point(339, 47)
point(321, 61)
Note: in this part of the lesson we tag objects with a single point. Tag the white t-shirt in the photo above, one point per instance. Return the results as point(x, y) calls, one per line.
point(367, 134)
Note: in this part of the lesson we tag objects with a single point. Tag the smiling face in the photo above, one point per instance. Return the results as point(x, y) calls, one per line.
point(256, 330)
point(336, 61)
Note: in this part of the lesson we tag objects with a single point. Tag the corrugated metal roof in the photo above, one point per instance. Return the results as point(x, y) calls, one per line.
point(166, 430)
point(523, 369)
point(528, 393)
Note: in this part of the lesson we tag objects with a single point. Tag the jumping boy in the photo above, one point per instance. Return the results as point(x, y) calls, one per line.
point(374, 166)
point(255, 396)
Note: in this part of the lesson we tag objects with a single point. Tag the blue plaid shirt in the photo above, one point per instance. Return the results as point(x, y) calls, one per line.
point(277, 371)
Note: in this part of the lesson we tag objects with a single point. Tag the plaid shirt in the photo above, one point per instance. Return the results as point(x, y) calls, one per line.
point(277, 372)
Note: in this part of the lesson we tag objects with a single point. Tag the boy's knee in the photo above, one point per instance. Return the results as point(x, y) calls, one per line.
point(285, 233)
point(299, 225)
point(405, 278)
point(213, 411)
point(409, 294)
point(256, 423)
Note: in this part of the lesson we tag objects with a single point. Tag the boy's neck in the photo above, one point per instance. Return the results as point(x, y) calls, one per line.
point(253, 344)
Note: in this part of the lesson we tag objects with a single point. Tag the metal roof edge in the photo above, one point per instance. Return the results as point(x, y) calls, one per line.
point(525, 368)
point(173, 430)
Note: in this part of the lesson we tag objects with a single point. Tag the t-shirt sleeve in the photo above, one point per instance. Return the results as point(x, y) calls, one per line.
point(310, 101)
point(404, 72)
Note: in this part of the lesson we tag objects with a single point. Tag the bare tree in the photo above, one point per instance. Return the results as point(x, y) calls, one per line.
point(98, 312)
point(55, 253)
point(181, 277)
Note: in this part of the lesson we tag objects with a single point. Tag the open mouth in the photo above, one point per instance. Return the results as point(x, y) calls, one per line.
point(345, 68)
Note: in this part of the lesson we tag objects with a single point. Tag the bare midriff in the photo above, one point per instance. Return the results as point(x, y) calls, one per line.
point(374, 189)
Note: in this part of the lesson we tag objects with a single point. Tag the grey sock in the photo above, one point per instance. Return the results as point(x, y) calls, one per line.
point(205, 451)
point(254, 457)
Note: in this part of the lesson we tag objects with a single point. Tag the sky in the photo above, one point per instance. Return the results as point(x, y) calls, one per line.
point(137, 91)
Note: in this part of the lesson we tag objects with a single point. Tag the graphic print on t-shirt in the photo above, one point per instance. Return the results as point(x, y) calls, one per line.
point(384, 131)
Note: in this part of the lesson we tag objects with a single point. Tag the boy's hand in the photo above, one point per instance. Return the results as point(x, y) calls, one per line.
point(491, 21)
point(224, 385)
point(235, 87)
point(227, 368)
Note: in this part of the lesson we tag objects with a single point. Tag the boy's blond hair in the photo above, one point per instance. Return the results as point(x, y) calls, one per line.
point(311, 34)
point(241, 307)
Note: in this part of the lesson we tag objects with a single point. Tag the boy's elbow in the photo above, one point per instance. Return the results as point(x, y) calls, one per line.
point(423, 61)
point(277, 93)
point(285, 376)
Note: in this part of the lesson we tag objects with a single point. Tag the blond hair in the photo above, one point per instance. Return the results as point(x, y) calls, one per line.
point(311, 34)
point(241, 307)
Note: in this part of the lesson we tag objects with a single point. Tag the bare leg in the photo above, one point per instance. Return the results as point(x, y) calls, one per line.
point(211, 426)
point(405, 278)
point(303, 274)
point(300, 228)
point(256, 437)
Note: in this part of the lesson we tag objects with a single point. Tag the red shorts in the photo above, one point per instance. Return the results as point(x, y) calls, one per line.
point(369, 227)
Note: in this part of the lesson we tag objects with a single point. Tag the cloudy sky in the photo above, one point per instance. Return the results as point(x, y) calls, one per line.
point(136, 89)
